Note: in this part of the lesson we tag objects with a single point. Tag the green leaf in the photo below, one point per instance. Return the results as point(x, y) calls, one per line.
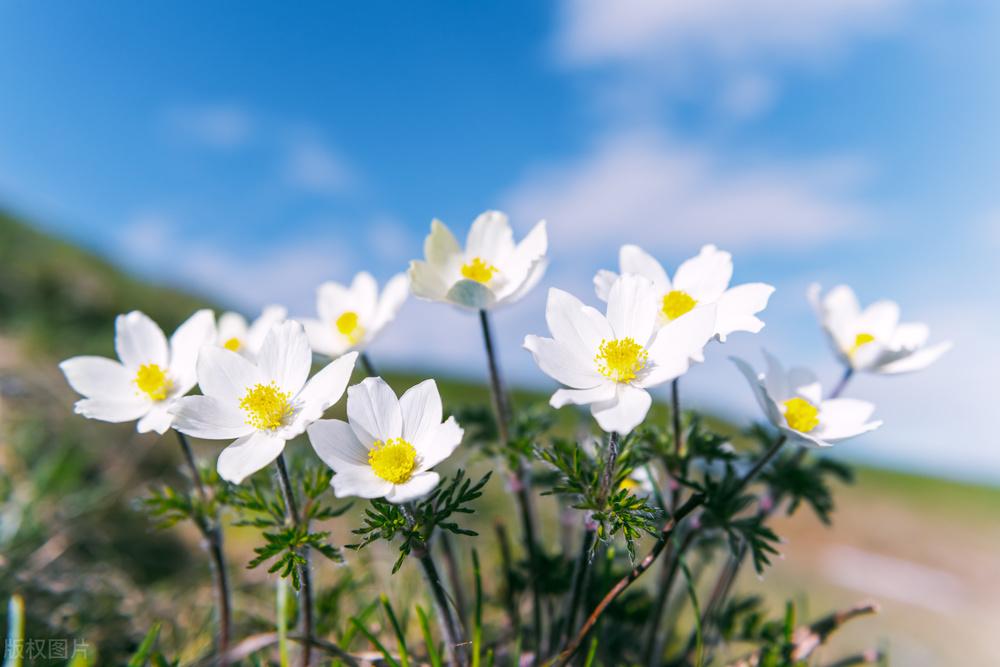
point(142, 655)
point(433, 654)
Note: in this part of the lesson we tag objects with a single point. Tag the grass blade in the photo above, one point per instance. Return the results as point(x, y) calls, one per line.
point(477, 619)
point(375, 642)
point(15, 632)
point(142, 655)
point(591, 653)
point(699, 646)
point(433, 654)
point(404, 656)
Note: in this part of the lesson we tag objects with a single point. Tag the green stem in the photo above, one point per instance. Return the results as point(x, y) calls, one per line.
point(213, 538)
point(292, 516)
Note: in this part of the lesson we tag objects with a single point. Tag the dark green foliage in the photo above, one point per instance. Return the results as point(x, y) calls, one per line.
point(384, 520)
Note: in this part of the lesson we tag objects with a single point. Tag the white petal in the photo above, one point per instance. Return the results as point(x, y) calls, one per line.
point(490, 238)
point(438, 443)
point(332, 299)
point(421, 409)
point(842, 418)
point(909, 336)
point(108, 410)
point(248, 455)
point(393, 296)
point(528, 262)
point(226, 375)
point(359, 482)
point(269, 318)
point(326, 387)
point(706, 276)
point(210, 418)
point(677, 344)
point(373, 411)
point(737, 307)
point(138, 341)
point(97, 376)
point(633, 259)
point(766, 403)
point(632, 308)
point(426, 281)
point(471, 294)
point(440, 247)
point(578, 327)
point(157, 419)
point(917, 361)
point(364, 295)
point(187, 341)
point(231, 325)
point(879, 319)
point(285, 357)
point(603, 280)
point(322, 338)
point(776, 378)
point(624, 412)
point(603, 392)
point(419, 486)
point(562, 364)
point(336, 444)
point(838, 312)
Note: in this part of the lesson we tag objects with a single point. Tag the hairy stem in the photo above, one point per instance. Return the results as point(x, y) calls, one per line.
point(453, 638)
point(520, 478)
point(292, 516)
point(454, 576)
point(213, 537)
point(581, 574)
point(608, 478)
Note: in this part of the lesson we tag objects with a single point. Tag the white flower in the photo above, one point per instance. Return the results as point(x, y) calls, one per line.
point(261, 403)
point(699, 281)
point(236, 335)
point(386, 447)
point(873, 339)
point(351, 317)
point(491, 271)
point(150, 376)
point(609, 361)
point(793, 402)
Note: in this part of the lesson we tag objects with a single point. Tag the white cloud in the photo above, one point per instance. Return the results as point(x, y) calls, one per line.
point(643, 188)
point(596, 31)
point(213, 126)
point(313, 167)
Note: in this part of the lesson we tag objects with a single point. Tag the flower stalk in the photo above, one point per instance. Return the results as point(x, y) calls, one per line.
point(292, 516)
point(213, 538)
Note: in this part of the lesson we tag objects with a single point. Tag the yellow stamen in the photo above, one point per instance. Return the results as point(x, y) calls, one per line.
point(620, 359)
point(860, 341)
point(266, 406)
point(478, 270)
point(153, 381)
point(801, 415)
point(232, 344)
point(628, 484)
point(676, 303)
point(348, 326)
point(393, 460)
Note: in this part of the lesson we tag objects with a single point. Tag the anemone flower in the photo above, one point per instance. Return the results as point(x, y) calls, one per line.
point(350, 317)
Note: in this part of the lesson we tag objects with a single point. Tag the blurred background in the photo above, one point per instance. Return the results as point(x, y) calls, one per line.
point(166, 155)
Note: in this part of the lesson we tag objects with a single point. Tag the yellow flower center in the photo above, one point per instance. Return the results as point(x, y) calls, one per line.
point(347, 325)
point(801, 415)
point(620, 359)
point(860, 341)
point(266, 406)
point(676, 303)
point(393, 460)
point(628, 484)
point(153, 381)
point(232, 344)
point(478, 270)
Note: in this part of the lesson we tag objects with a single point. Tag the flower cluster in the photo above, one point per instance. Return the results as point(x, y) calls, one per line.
point(256, 390)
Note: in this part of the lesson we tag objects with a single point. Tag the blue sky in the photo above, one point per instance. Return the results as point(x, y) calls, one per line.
point(250, 152)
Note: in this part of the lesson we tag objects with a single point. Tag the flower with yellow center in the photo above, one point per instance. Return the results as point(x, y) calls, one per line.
point(387, 446)
point(872, 339)
point(620, 360)
point(490, 271)
point(237, 336)
point(151, 373)
point(261, 402)
point(348, 326)
point(153, 381)
point(351, 316)
point(609, 361)
point(800, 414)
point(793, 402)
point(393, 461)
point(699, 281)
point(478, 270)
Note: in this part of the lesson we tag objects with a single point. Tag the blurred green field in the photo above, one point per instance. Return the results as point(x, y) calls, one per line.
point(74, 544)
